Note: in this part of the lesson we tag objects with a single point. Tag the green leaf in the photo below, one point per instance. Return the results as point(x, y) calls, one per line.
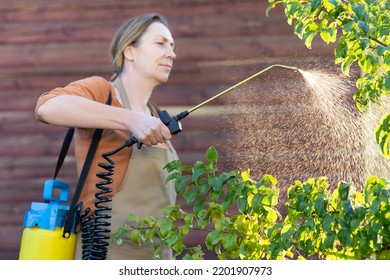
point(329, 240)
point(327, 223)
point(136, 236)
point(257, 203)
point(384, 145)
point(172, 176)
point(156, 251)
point(198, 205)
point(359, 11)
point(164, 226)
point(354, 223)
point(319, 206)
point(287, 238)
point(212, 154)
point(189, 219)
point(219, 225)
point(269, 180)
point(191, 195)
point(310, 223)
point(197, 174)
point(344, 237)
point(375, 204)
point(229, 241)
point(180, 183)
point(213, 238)
point(178, 247)
point(308, 38)
point(346, 65)
point(364, 43)
point(344, 190)
point(228, 200)
point(329, 5)
point(132, 218)
point(183, 230)
point(272, 216)
point(387, 82)
point(172, 238)
point(343, 224)
point(347, 206)
point(363, 27)
point(173, 165)
point(242, 203)
point(216, 184)
point(150, 234)
point(314, 4)
point(203, 187)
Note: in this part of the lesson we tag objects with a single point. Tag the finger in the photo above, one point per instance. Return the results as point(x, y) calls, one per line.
point(165, 133)
point(152, 140)
point(159, 137)
point(146, 142)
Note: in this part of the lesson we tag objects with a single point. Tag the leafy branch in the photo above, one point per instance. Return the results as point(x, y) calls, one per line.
point(364, 40)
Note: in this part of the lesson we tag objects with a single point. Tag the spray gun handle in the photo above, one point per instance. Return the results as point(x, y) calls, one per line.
point(173, 123)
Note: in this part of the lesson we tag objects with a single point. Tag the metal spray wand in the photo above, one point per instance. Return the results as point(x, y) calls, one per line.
point(173, 122)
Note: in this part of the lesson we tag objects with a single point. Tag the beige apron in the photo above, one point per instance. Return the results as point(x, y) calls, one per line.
point(143, 192)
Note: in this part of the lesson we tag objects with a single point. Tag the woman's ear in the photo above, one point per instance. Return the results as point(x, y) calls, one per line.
point(129, 52)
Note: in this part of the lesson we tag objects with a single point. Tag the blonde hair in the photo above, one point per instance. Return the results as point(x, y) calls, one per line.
point(129, 34)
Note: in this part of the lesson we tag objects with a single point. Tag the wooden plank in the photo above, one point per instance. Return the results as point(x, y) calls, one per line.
point(186, 49)
point(123, 10)
point(10, 237)
point(13, 214)
point(181, 26)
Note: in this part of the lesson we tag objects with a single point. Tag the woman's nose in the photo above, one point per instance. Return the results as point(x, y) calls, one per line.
point(171, 53)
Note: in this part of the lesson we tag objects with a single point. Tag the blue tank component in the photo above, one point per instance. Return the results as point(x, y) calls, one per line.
point(49, 214)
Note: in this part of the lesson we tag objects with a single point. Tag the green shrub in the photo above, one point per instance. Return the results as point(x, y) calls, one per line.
point(242, 220)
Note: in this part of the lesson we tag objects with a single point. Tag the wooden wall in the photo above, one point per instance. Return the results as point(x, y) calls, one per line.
point(45, 44)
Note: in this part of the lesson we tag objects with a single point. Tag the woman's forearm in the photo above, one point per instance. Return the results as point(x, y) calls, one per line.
point(76, 111)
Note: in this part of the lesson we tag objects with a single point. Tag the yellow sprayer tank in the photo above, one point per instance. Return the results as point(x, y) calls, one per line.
point(42, 237)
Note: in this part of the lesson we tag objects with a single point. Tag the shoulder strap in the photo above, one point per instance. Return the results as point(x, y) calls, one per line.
point(84, 172)
point(64, 151)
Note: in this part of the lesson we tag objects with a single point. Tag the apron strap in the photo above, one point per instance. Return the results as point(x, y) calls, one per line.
point(122, 92)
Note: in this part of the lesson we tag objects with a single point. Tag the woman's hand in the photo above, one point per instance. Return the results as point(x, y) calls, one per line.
point(149, 130)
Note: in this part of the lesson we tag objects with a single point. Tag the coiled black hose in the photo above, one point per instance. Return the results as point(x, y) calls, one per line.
point(95, 228)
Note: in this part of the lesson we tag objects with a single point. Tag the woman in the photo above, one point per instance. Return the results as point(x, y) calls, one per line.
point(143, 54)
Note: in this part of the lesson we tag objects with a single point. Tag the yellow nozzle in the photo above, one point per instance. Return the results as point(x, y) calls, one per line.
point(295, 69)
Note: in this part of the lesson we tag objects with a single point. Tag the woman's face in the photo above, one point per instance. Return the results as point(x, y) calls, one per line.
point(153, 56)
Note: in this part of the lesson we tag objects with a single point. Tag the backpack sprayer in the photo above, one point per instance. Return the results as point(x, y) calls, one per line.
point(96, 227)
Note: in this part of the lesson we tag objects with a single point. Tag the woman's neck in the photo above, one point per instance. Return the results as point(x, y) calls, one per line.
point(138, 91)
